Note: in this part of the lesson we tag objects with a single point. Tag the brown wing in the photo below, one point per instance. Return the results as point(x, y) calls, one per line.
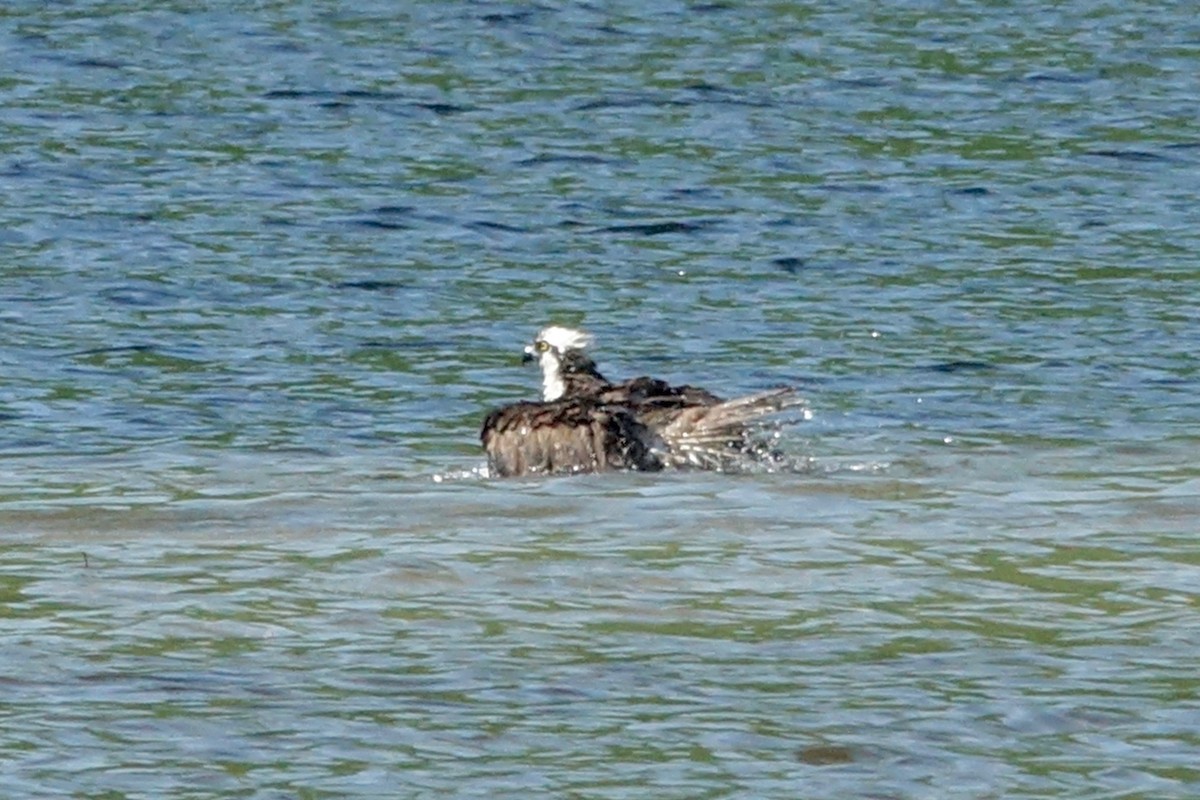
point(652, 391)
point(656, 403)
point(565, 436)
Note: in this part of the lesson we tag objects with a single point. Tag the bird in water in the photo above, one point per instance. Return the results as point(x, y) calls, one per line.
point(586, 423)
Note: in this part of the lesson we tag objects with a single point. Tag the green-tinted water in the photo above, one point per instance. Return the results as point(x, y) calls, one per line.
point(265, 267)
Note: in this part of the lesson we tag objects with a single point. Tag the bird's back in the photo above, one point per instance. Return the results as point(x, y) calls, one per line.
point(653, 401)
point(690, 426)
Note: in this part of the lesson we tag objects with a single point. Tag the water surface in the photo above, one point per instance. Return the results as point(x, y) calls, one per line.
point(266, 266)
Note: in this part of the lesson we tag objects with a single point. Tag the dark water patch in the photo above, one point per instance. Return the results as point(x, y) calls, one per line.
point(971, 191)
point(325, 94)
point(862, 82)
point(372, 95)
point(488, 225)
point(371, 285)
point(99, 63)
point(414, 345)
point(381, 224)
point(790, 264)
point(33, 37)
point(349, 97)
point(1129, 155)
point(633, 100)
point(825, 755)
point(1170, 382)
point(509, 17)
point(294, 94)
point(960, 366)
point(612, 30)
point(571, 224)
point(691, 94)
point(443, 109)
point(853, 188)
point(139, 297)
point(387, 217)
point(123, 348)
point(723, 95)
point(691, 193)
point(1056, 77)
point(569, 158)
point(658, 228)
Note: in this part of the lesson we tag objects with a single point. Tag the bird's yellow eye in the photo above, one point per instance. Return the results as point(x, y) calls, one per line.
point(541, 346)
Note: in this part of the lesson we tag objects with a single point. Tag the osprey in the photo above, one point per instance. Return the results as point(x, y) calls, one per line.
point(585, 423)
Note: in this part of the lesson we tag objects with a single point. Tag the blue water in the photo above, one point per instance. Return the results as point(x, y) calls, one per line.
point(266, 267)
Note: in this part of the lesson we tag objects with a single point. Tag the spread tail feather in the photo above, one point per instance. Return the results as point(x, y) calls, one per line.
point(709, 436)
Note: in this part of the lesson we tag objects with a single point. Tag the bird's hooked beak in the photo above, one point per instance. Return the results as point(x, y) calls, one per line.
point(528, 355)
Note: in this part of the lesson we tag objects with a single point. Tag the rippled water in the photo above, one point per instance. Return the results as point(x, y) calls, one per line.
point(267, 265)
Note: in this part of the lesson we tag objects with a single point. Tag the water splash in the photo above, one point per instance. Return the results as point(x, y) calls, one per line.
point(480, 472)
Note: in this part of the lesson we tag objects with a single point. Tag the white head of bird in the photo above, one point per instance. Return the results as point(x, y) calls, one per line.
point(547, 349)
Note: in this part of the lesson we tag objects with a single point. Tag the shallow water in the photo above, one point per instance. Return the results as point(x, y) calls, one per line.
point(266, 267)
